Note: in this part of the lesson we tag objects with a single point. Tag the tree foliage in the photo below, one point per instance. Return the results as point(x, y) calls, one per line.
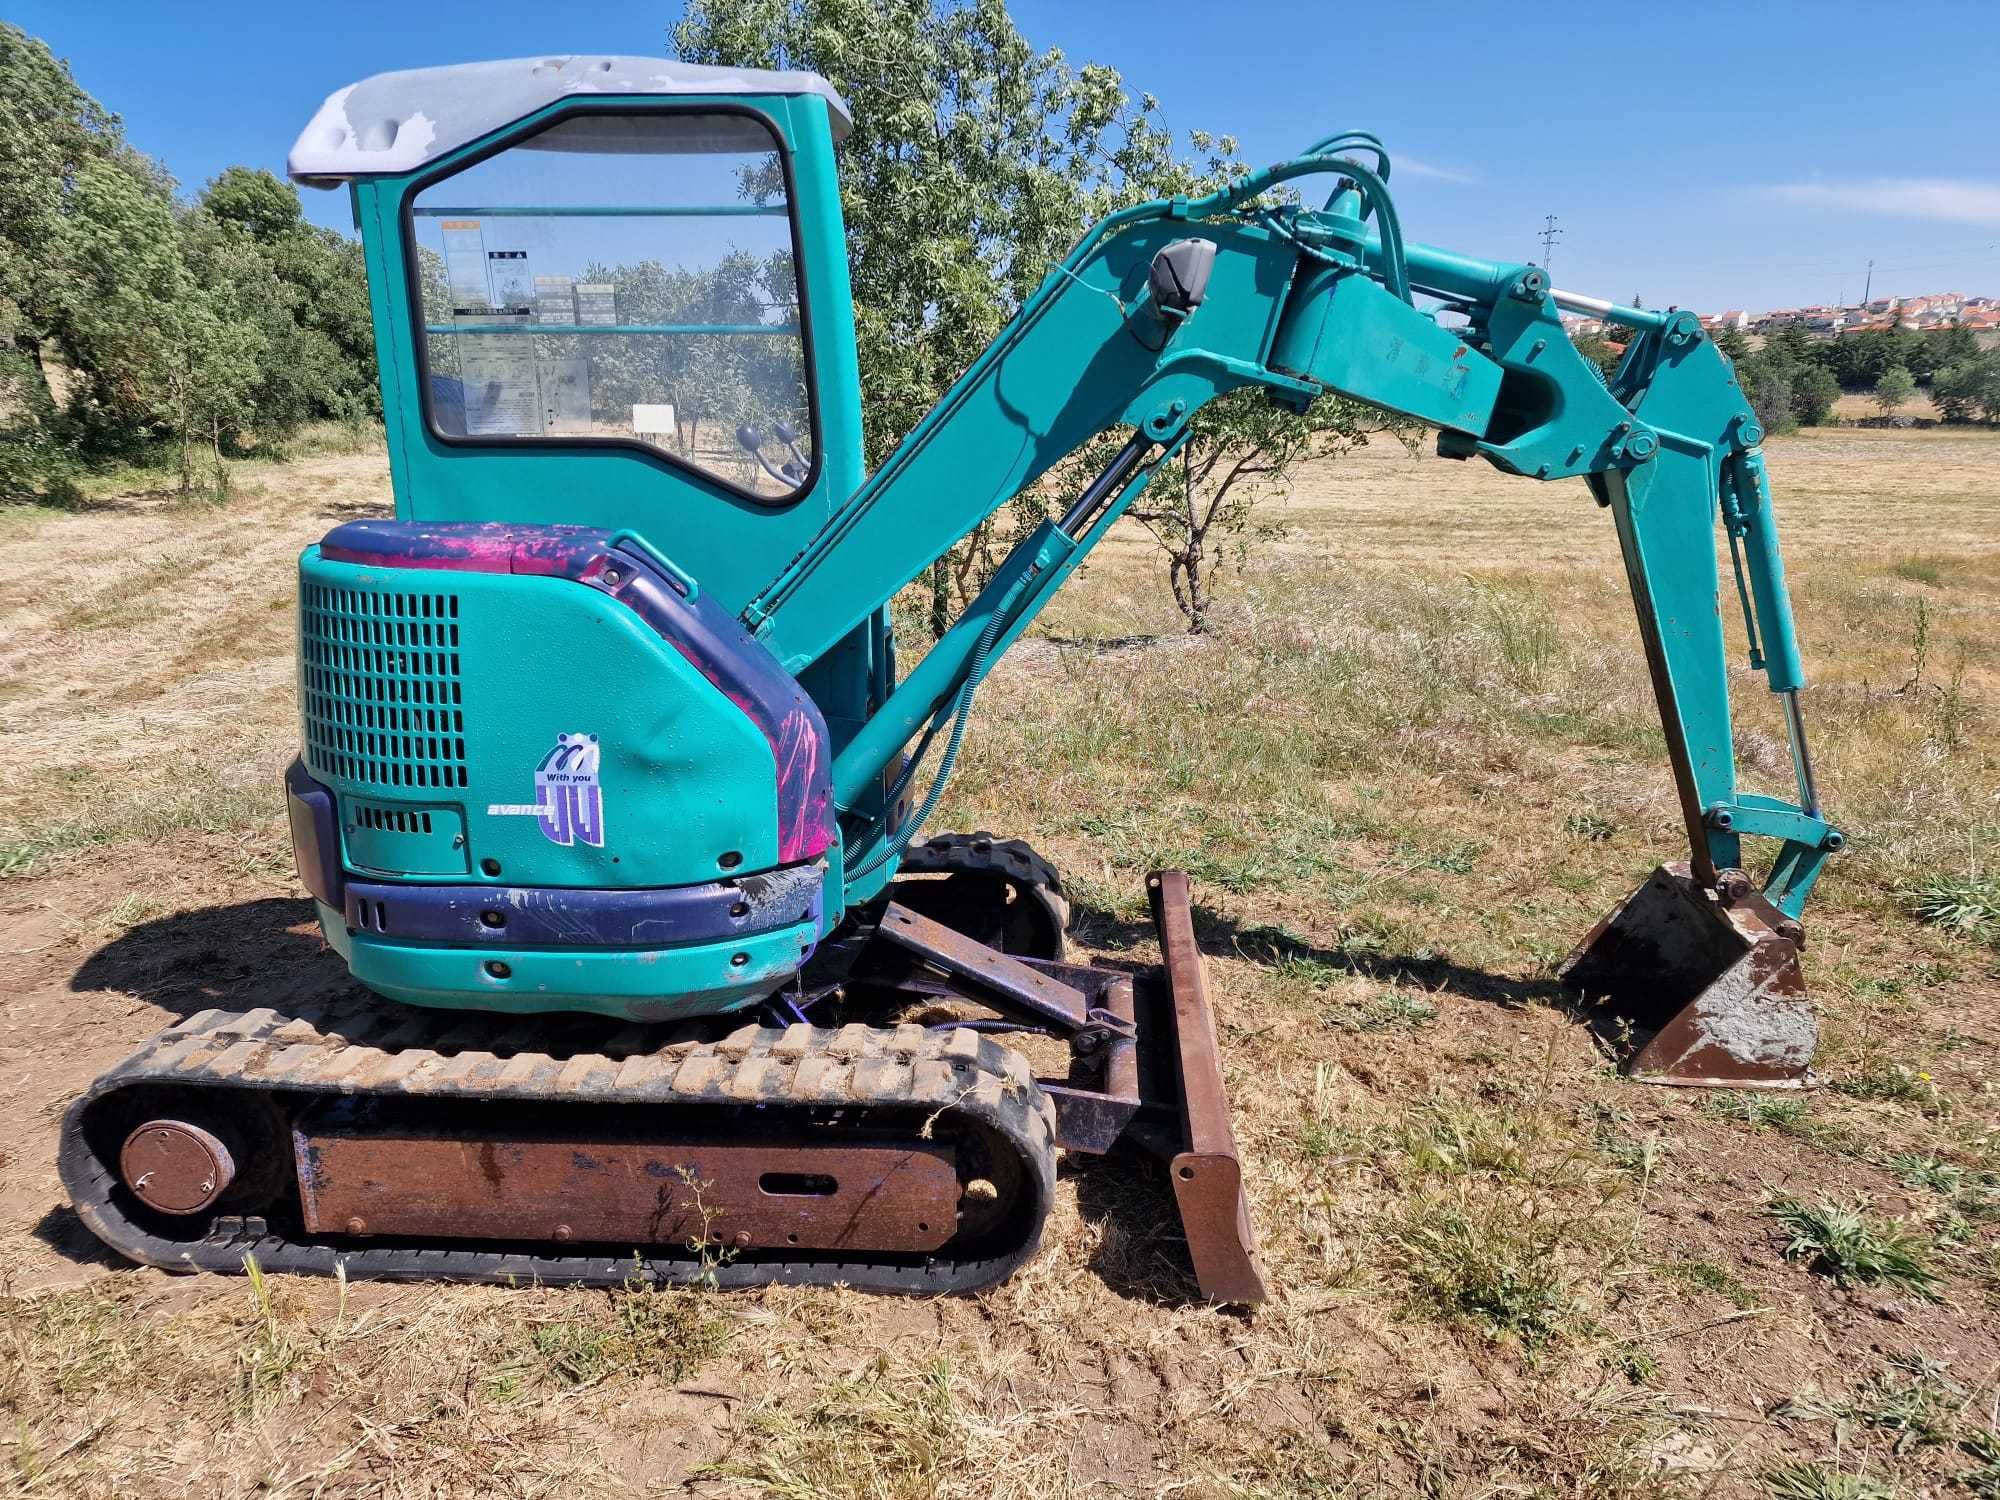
point(1200, 509)
point(1599, 351)
point(1969, 388)
point(715, 380)
point(975, 163)
point(1893, 390)
point(129, 317)
point(1795, 378)
point(1786, 381)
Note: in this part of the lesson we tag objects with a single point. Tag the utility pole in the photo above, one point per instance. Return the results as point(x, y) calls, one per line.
point(1549, 235)
point(1868, 286)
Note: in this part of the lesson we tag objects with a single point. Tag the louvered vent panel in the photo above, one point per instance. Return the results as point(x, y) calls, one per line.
point(383, 703)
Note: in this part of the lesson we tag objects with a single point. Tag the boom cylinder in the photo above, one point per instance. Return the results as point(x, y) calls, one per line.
point(1027, 575)
point(1078, 517)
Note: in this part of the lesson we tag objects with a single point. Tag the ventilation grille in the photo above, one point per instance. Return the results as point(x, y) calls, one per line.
point(383, 704)
point(392, 819)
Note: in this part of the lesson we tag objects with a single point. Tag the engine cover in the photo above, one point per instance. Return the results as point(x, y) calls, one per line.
point(549, 722)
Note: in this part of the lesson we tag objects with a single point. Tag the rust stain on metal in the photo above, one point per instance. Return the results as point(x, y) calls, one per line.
point(176, 1167)
point(1207, 1174)
point(1716, 973)
point(880, 1194)
point(984, 968)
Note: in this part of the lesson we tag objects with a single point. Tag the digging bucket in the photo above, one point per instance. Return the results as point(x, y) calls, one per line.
point(1712, 974)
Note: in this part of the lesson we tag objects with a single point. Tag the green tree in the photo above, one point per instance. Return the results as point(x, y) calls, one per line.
point(1952, 344)
point(1969, 388)
point(1893, 390)
point(219, 334)
point(1814, 390)
point(1767, 385)
point(115, 317)
point(319, 331)
point(167, 315)
point(1792, 345)
point(1789, 381)
point(128, 318)
point(50, 132)
point(35, 463)
point(1732, 344)
point(1240, 448)
point(975, 162)
point(255, 202)
point(1597, 349)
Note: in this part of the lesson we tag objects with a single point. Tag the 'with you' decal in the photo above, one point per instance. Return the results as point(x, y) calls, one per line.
point(569, 794)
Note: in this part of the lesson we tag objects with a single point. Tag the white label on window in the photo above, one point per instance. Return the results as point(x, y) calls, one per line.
point(596, 303)
point(465, 265)
point(513, 286)
point(653, 421)
point(555, 300)
point(566, 394)
point(503, 398)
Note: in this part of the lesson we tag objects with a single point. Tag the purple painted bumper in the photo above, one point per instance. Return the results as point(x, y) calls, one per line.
point(537, 916)
point(315, 835)
point(552, 917)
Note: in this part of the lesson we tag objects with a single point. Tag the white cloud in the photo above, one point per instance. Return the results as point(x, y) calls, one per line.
point(1955, 199)
point(1416, 168)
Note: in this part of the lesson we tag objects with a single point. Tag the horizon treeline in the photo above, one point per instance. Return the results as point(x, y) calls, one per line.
point(137, 325)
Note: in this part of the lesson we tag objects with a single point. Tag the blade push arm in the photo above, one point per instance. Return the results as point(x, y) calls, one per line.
point(1299, 302)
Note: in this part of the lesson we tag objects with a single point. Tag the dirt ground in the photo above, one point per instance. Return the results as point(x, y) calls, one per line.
point(1412, 762)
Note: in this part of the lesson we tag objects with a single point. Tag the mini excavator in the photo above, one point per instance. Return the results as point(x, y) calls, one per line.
point(612, 793)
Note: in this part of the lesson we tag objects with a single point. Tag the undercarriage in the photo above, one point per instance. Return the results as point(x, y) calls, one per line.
point(868, 1129)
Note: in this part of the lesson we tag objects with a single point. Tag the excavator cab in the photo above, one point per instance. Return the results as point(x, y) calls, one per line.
point(618, 375)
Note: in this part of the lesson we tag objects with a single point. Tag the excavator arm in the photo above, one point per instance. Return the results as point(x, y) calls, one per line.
point(1169, 304)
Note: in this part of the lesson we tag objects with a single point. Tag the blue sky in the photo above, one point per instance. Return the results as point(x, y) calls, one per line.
point(1709, 155)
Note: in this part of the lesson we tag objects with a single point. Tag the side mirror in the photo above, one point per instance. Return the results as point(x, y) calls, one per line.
point(1178, 278)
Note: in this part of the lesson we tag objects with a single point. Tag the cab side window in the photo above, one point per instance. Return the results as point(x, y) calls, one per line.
point(621, 276)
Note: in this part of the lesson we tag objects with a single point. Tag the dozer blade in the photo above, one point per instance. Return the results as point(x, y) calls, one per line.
point(1716, 980)
point(1207, 1175)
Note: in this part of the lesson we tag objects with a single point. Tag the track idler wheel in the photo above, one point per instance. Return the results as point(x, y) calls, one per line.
point(1712, 974)
point(175, 1167)
point(996, 891)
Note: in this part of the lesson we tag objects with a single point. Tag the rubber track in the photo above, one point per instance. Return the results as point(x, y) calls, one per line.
point(329, 1052)
point(983, 854)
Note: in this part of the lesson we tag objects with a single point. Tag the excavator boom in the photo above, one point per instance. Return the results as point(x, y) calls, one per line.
point(1300, 302)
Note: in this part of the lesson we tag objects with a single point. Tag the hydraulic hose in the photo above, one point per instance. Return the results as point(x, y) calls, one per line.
point(974, 670)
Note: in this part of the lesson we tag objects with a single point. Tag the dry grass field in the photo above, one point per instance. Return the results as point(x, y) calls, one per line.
point(1415, 759)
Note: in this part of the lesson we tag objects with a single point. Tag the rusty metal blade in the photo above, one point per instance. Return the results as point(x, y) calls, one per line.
point(1715, 980)
point(1207, 1174)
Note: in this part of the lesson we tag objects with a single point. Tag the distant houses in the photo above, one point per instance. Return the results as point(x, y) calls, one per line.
point(1938, 310)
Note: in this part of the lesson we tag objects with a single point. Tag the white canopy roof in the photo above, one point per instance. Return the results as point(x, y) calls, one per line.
point(395, 122)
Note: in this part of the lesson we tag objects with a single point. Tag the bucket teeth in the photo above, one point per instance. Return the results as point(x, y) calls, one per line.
point(1712, 988)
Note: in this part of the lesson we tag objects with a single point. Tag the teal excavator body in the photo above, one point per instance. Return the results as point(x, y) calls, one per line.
point(608, 765)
